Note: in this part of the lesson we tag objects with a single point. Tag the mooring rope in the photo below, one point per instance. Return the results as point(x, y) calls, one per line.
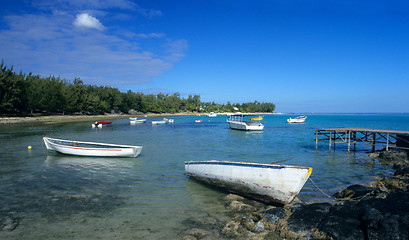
point(320, 189)
point(282, 160)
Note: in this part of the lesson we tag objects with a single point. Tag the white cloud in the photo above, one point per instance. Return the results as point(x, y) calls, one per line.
point(47, 44)
point(151, 35)
point(84, 20)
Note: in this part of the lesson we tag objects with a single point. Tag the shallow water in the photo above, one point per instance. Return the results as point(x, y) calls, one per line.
point(56, 196)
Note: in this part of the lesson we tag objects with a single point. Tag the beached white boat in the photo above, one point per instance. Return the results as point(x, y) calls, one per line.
point(80, 148)
point(159, 122)
point(237, 121)
point(135, 120)
point(212, 114)
point(269, 183)
point(299, 119)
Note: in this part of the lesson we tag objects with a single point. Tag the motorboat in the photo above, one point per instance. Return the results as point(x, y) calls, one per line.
point(212, 114)
point(80, 148)
point(270, 183)
point(299, 119)
point(238, 122)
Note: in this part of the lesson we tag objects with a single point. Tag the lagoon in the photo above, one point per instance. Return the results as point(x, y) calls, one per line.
point(50, 196)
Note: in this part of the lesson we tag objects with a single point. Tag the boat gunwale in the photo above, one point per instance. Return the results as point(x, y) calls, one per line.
point(70, 143)
point(245, 164)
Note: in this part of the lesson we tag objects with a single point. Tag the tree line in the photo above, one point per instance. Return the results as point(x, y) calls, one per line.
point(21, 93)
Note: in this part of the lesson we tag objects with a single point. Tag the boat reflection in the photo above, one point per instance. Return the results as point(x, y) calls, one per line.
point(88, 162)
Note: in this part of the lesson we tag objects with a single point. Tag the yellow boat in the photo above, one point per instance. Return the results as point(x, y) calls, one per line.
point(259, 118)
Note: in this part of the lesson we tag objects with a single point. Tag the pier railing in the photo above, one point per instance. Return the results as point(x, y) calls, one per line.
point(352, 136)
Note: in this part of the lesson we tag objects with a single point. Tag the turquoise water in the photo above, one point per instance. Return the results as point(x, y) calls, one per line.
point(55, 196)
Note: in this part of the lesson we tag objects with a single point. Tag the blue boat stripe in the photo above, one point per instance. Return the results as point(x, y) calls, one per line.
point(235, 164)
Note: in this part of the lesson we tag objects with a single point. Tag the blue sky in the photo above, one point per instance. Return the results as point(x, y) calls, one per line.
point(304, 56)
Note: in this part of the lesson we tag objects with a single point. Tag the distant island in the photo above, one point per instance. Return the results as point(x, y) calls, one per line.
point(22, 94)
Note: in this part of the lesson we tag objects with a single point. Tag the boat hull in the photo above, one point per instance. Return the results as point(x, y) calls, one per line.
point(264, 182)
point(245, 125)
point(300, 119)
point(137, 121)
point(292, 120)
point(159, 122)
point(79, 148)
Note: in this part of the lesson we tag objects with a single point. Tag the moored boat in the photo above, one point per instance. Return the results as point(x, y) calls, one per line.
point(299, 119)
point(269, 183)
point(159, 122)
point(169, 120)
point(99, 124)
point(81, 148)
point(135, 120)
point(238, 122)
point(212, 114)
point(259, 118)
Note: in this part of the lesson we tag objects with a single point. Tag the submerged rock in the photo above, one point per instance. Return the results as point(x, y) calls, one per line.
point(272, 215)
point(355, 192)
point(391, 157)
point(8, 223)
point(307, 216)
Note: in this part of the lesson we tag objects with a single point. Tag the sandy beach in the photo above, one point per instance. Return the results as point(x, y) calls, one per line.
point(55, 119)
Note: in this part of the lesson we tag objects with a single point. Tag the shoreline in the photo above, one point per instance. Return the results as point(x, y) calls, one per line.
point(55, 119)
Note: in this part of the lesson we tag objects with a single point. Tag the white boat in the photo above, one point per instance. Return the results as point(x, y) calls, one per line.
point(159, 122)
point(80, 148)
point(299, 119)
point(212, 114)
point(135, 120)
point(237, 122)
point(269, 183)
point(169, 120)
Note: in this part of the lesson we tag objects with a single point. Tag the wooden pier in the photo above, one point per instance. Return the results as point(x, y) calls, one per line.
point(385, 138)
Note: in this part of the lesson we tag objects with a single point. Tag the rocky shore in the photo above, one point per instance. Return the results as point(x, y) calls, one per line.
point(377, 210)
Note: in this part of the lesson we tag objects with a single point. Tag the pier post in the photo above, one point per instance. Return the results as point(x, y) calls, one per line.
point(354, 141)
point(373, 142)
point(349, 141)
point(330, 140)
point(316, 139)
point(387, 142)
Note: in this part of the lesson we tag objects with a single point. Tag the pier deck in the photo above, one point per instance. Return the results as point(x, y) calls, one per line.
point(373, 137)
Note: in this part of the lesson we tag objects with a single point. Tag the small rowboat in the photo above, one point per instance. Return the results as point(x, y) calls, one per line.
point(99, 124)
point(259, 118)
point(135, 120)
point(80, 148)
point(159, 122)
point(299, 119)
point(199, 120)
point(270, 183)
